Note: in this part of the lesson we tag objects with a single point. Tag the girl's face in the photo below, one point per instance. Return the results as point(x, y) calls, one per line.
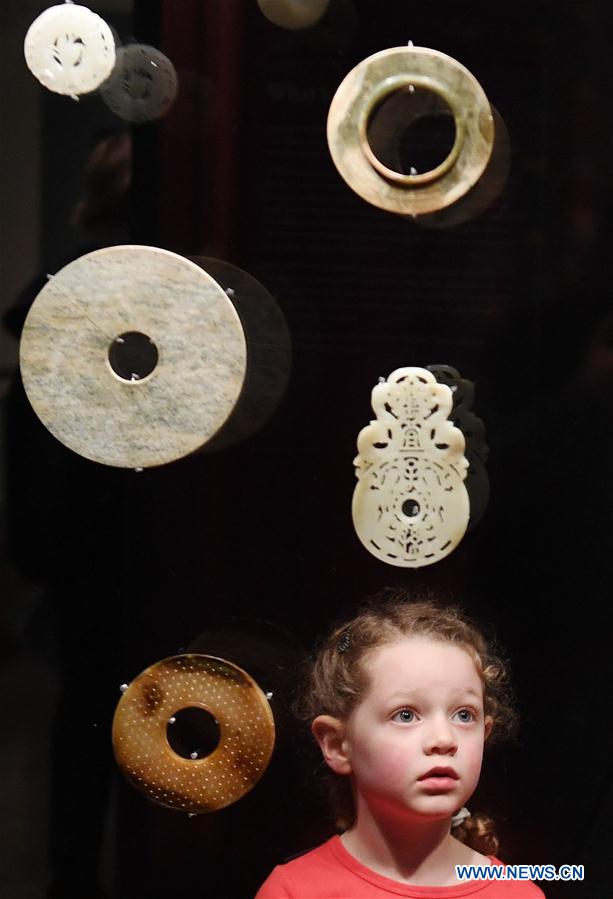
point(415, 743)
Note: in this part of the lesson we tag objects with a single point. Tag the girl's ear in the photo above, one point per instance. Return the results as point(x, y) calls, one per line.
point(330, 733)
point(489, 724)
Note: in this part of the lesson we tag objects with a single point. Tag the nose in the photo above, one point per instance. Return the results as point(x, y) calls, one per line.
point(440, 739)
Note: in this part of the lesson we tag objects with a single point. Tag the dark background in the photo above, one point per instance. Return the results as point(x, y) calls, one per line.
point(106, 571)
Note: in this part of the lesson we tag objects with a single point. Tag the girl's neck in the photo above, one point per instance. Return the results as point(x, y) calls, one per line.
point(412, 850)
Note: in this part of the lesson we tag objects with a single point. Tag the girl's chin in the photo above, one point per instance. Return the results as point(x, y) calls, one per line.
point(445, 815)
point(435, 808)
point(424, 813)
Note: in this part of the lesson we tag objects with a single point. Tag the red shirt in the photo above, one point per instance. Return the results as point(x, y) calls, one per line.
point(330, 872)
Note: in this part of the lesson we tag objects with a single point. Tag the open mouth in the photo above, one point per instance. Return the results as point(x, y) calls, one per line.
point(439, 778)
point(440, 772)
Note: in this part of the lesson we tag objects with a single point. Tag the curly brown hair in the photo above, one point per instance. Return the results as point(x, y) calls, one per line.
point(336, 679)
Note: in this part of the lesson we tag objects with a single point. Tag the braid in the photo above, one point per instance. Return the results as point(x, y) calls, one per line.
point(479, 832)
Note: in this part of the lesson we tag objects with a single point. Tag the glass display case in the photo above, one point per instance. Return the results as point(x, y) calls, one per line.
point(211, 143)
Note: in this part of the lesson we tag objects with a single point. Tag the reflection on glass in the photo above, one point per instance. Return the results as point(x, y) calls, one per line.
point(143, 85)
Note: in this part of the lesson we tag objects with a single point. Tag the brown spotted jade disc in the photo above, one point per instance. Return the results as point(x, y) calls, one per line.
point(225, 691)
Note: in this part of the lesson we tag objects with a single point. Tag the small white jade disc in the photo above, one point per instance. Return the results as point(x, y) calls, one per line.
point(70, 49)
point(294, 14)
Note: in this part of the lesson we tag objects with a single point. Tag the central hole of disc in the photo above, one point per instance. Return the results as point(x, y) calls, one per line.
point(411, 131)
point(410, 508)
point(192, 733)
point(133, 356)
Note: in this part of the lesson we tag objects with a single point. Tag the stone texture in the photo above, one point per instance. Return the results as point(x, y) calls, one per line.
point(69, 380)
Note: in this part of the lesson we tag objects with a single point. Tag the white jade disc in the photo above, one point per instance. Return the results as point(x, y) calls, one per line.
point(70, 49)
point(143, 85)
point(172, 411)
point(293, 14)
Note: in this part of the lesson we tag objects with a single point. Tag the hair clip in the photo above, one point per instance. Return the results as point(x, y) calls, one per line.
point(460, 817)
point(343, 642)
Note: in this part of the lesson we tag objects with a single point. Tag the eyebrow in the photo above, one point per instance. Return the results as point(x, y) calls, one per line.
point(412, 693)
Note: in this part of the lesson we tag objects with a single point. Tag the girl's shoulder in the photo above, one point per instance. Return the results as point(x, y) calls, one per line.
point(512, 888)
point(313, 867)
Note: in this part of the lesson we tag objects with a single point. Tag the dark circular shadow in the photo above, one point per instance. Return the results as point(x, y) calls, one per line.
point(269, 352)
point(489, 186)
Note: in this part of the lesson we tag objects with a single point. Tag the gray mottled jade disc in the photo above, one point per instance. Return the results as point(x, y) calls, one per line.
point(68, 378)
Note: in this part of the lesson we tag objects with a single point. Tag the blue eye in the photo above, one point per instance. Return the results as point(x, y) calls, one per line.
point(405, 716)
point(465, 716)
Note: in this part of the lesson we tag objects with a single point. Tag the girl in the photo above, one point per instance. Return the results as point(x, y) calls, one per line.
point(402, 699)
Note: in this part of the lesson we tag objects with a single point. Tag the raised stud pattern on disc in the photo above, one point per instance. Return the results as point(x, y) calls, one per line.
point(231, 696)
